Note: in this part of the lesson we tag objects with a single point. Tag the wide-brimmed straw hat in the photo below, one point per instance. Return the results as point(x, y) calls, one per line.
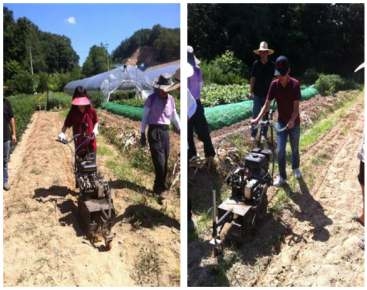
point(81, 101)
point(263, 47)
point(166, 84)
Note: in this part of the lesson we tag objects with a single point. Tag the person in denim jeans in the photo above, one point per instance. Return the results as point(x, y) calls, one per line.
point(262, 73)
point(287, 93)
point(9, 137)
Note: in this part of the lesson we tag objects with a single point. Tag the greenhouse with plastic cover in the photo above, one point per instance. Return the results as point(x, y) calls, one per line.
point(125, 77)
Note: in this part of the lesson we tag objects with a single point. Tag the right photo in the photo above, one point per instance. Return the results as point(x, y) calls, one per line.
point(275, 145)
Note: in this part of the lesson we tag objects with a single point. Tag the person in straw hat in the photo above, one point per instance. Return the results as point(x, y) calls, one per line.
point(82, 117)
point(262, 73)
point(198, 122)
point(159, 112)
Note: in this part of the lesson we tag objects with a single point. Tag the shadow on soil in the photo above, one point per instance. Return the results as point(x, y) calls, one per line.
point(310, 210)
point(52, 193)
point(120, 184)
point(140, 215)
point(65, 206)
point(253, 253)
point(201, 184)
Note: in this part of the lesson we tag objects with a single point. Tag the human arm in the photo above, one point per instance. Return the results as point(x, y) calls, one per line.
point(191, 104)
point(144, 122)
point(294, 115)
point(67, 124)
point(13, 130)
point(264, 109)
point(175, 119)
point(296, 100)
point(252, 85)
point(96, 124)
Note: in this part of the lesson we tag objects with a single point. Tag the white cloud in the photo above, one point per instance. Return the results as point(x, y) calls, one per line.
point(71, 20)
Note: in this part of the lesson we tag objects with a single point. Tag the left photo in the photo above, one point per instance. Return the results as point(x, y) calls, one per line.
point(91, 134)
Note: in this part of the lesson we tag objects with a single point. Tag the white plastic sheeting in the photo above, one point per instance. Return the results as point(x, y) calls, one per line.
point(125, 77)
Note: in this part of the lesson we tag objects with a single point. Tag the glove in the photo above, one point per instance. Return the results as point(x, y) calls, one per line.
point(143, 140)
point(95, 130)
point(62, 137)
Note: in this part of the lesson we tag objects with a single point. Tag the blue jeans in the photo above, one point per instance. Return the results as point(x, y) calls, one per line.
point(258, 104)
point(6, 156)
point(294, 135)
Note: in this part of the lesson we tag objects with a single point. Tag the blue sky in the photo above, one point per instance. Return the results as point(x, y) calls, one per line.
point(90, 24)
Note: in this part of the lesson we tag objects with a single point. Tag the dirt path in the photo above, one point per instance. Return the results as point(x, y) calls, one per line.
point(311, 240)
point(327, 253)
point(43, 243)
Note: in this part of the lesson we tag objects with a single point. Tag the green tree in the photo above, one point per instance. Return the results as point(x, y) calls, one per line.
point(96, 61)
point(324, 37)
point(164, 44)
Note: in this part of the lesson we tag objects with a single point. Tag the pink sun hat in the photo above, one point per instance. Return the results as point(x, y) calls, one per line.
point(81, 101)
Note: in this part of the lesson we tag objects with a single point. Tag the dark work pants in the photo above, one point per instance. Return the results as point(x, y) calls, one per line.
point(199, 124)
point(158, 138)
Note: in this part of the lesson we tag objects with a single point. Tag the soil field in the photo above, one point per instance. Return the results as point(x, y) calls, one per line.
point(43, 241)
point(308, 238)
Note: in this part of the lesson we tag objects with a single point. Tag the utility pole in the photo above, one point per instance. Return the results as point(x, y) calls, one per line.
point(105, 45)
point(30, 57)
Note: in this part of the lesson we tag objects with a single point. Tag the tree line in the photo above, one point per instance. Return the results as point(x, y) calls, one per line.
point(322, 37)
point(35, 61)
point(165, 44)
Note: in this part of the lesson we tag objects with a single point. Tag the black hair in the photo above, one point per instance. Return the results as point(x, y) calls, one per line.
point(80, 92)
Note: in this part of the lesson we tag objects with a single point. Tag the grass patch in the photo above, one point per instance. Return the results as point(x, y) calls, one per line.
point(323, 126)
point(204, 221)
point(282, 201)
point(104, 151)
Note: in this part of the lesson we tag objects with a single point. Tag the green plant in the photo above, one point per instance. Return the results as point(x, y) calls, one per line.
point(214, 94)
point(97, 98)
point(310, 76)
point(58, 100)
point(225, 69)
point(329, 84)
point(23, 108)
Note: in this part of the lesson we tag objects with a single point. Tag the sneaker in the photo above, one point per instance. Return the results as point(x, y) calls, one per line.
point(297, 173)
point(278, 181)
point(6, 186)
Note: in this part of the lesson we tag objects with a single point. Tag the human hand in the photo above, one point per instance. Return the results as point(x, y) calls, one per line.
point(290, 124)
point(14, 138)
point(250, 96)
point(254, 121)
point(61, 137)
point(95, 130)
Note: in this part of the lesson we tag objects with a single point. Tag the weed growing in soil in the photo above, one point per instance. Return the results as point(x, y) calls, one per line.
point(281, 202)
point(147, 267)
point(103, 151)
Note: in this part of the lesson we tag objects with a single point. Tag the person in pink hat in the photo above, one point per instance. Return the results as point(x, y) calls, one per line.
point(82, 117)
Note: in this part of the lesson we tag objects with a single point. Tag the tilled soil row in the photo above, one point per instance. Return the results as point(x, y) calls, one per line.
point(43, 242)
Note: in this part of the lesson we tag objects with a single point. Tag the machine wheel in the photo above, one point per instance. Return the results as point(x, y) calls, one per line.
point(225, 230)
point(262, 209)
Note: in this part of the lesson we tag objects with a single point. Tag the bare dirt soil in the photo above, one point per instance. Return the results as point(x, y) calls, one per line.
point(310, 240)
point(43, 241)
